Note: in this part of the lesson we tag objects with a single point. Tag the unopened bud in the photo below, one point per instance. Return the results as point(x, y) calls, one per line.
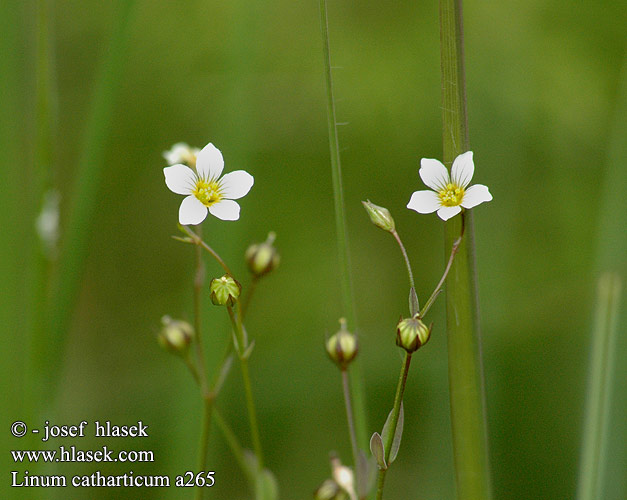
point(176, 335)
point(411, 334)
point(224, 291)
point(342, 347)
point(263, 257)
point(380, 216)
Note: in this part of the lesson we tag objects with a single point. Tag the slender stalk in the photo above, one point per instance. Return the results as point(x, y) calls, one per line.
point(598, 401)
point(250, 402)
point(348, 302)
point(197, 240)
point(439, 286)
point(234, 444)
point(470, 446)
point(406, 257)
point(349, 415)
point(398, 399)
point(207, 397)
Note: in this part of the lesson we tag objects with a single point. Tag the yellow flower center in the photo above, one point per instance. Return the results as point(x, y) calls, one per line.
point(451, 195)
point(207, 192)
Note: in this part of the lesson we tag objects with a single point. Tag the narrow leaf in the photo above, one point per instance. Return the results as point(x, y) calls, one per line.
point(398, 434)
point(414, 306)
point(226, 367)
point(376, 448)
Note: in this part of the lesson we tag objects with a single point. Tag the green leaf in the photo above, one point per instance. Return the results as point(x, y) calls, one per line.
point(414, 306)
point(377, 450)
point(398, 434)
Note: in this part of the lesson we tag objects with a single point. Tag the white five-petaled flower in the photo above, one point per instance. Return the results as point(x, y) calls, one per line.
point(205, 189)
point(450, 192)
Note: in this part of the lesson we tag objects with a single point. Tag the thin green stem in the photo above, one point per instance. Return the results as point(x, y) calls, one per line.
point(236, 448)
point(197, 240)
point(439, 286)
point(349, 414)
point(405, 257)
point(348, 302)
point(252, 414)
point(470, 447)
point(236, 320)
point(398, 399)
point(207, 397)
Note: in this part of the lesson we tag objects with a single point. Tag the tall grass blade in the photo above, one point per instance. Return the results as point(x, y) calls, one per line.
point(348, 302)
point(468, 420)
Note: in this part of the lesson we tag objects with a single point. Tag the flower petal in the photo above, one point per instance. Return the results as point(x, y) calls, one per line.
point(424, 202)
point(209, 162)
point(476, 195)
point(225, 210)
point(434, 174)
point(446, 213)
point(236, 184)
point(180, 179)
point(463, 169)
point(192, 211)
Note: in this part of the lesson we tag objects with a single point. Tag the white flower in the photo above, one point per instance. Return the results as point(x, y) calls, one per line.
point(451, 192)
point(181, 153)
point(204, 188)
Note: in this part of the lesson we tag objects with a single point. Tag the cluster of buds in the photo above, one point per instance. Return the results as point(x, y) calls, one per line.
point(342, 347)
point(262, 257)
point(412, 334)
point(225, 291)
point(175, 335)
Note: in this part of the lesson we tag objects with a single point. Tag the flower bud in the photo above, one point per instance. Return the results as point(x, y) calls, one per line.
point(175, 335)
point(224, 291)
point(263, 257)
point(380, 216)
point(411, 334)
point(342, 347)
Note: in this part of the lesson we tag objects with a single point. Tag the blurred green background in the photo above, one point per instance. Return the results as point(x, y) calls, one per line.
point(544, 101)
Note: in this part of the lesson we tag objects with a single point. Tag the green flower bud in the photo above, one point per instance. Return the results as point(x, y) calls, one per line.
point(263, 257)
point(411, 334)
point(175, 335)
point(224, 291)
point(380, 216)
point(342, 347)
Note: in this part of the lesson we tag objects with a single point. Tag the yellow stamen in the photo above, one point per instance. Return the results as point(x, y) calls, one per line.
point(452, 195)
point(207, 192)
